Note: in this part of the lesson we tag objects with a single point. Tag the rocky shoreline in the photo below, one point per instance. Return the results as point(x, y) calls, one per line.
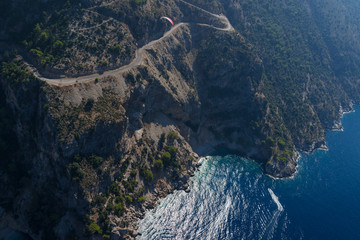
point(283, 175)
point(318, 145)
point(150, 134)
point(91, 156)
point(159, 193)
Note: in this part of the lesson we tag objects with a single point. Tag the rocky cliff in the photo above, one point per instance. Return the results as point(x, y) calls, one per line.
point(86, 159)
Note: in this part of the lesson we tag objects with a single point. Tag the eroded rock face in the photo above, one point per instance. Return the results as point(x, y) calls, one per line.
point(93, 156)
point(86, 133)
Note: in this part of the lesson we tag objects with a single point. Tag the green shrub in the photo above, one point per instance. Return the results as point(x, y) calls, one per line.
point(159, 163)
point(282, 159)
point(147, 174)
point(95, 161)
point(281, 143)
point(150, 158)
point(128, 199)
point(104, 63)
point(58, 45)
point(172, 135)
point(76, 172)
point(99, 200)
point(41, 58)
point(118, 208)
point(166, 157)
point(94, 228)
point(116, 50)
point(288, 153)
point(14, 71)
point(172, 150)
point(36, 53)
point(133, 173)
point(169, 157)
point(130, 185)
point(142, 199)
point(114, 188)
point(270, 141)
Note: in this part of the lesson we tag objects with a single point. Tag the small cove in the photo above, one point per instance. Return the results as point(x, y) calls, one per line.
point(231, 198)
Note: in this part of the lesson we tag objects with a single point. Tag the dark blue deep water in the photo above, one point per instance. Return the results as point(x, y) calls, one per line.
point(231, 198)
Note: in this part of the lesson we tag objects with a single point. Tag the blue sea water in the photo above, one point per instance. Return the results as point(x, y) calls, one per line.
point(231, 198)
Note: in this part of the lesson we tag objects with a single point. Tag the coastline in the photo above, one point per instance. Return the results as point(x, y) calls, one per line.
point(313, 170)
point(337, 123)
point(323, 147)
point(298, 156)
point(317, 146)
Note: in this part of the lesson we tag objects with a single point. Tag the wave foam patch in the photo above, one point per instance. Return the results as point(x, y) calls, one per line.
point(276, 200)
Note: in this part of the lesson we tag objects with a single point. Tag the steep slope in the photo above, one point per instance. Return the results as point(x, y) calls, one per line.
point(85, 159)
point(301, 59)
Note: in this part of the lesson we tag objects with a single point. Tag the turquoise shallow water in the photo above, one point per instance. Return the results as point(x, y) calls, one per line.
point(231, 198)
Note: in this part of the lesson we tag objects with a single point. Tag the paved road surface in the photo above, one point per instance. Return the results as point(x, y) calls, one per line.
point(138, 55)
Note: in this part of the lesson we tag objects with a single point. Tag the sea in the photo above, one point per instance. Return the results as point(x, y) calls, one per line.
point(231, 198)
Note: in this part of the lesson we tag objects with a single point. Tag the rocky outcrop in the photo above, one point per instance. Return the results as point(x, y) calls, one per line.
point(93, 156)
point(104, 140)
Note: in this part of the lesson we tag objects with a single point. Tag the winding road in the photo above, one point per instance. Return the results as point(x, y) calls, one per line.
point(138, 54)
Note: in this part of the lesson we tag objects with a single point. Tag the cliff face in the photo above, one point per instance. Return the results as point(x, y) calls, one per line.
point(86, 159)
point(90, 150)
point(310, 68)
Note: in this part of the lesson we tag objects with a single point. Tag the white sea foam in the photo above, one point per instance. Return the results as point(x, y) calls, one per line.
point(271, 225)
point(203, 159)
point(218, 225)
point(276, 200)
point(224, 203)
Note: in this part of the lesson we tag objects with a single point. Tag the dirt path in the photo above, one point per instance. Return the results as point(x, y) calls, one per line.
point(138, 55)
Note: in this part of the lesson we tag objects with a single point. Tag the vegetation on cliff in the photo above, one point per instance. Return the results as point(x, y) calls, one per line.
point(271, 86)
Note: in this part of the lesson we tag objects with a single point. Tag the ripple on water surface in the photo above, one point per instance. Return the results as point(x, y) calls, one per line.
point(227, 201)
point(231, 198)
